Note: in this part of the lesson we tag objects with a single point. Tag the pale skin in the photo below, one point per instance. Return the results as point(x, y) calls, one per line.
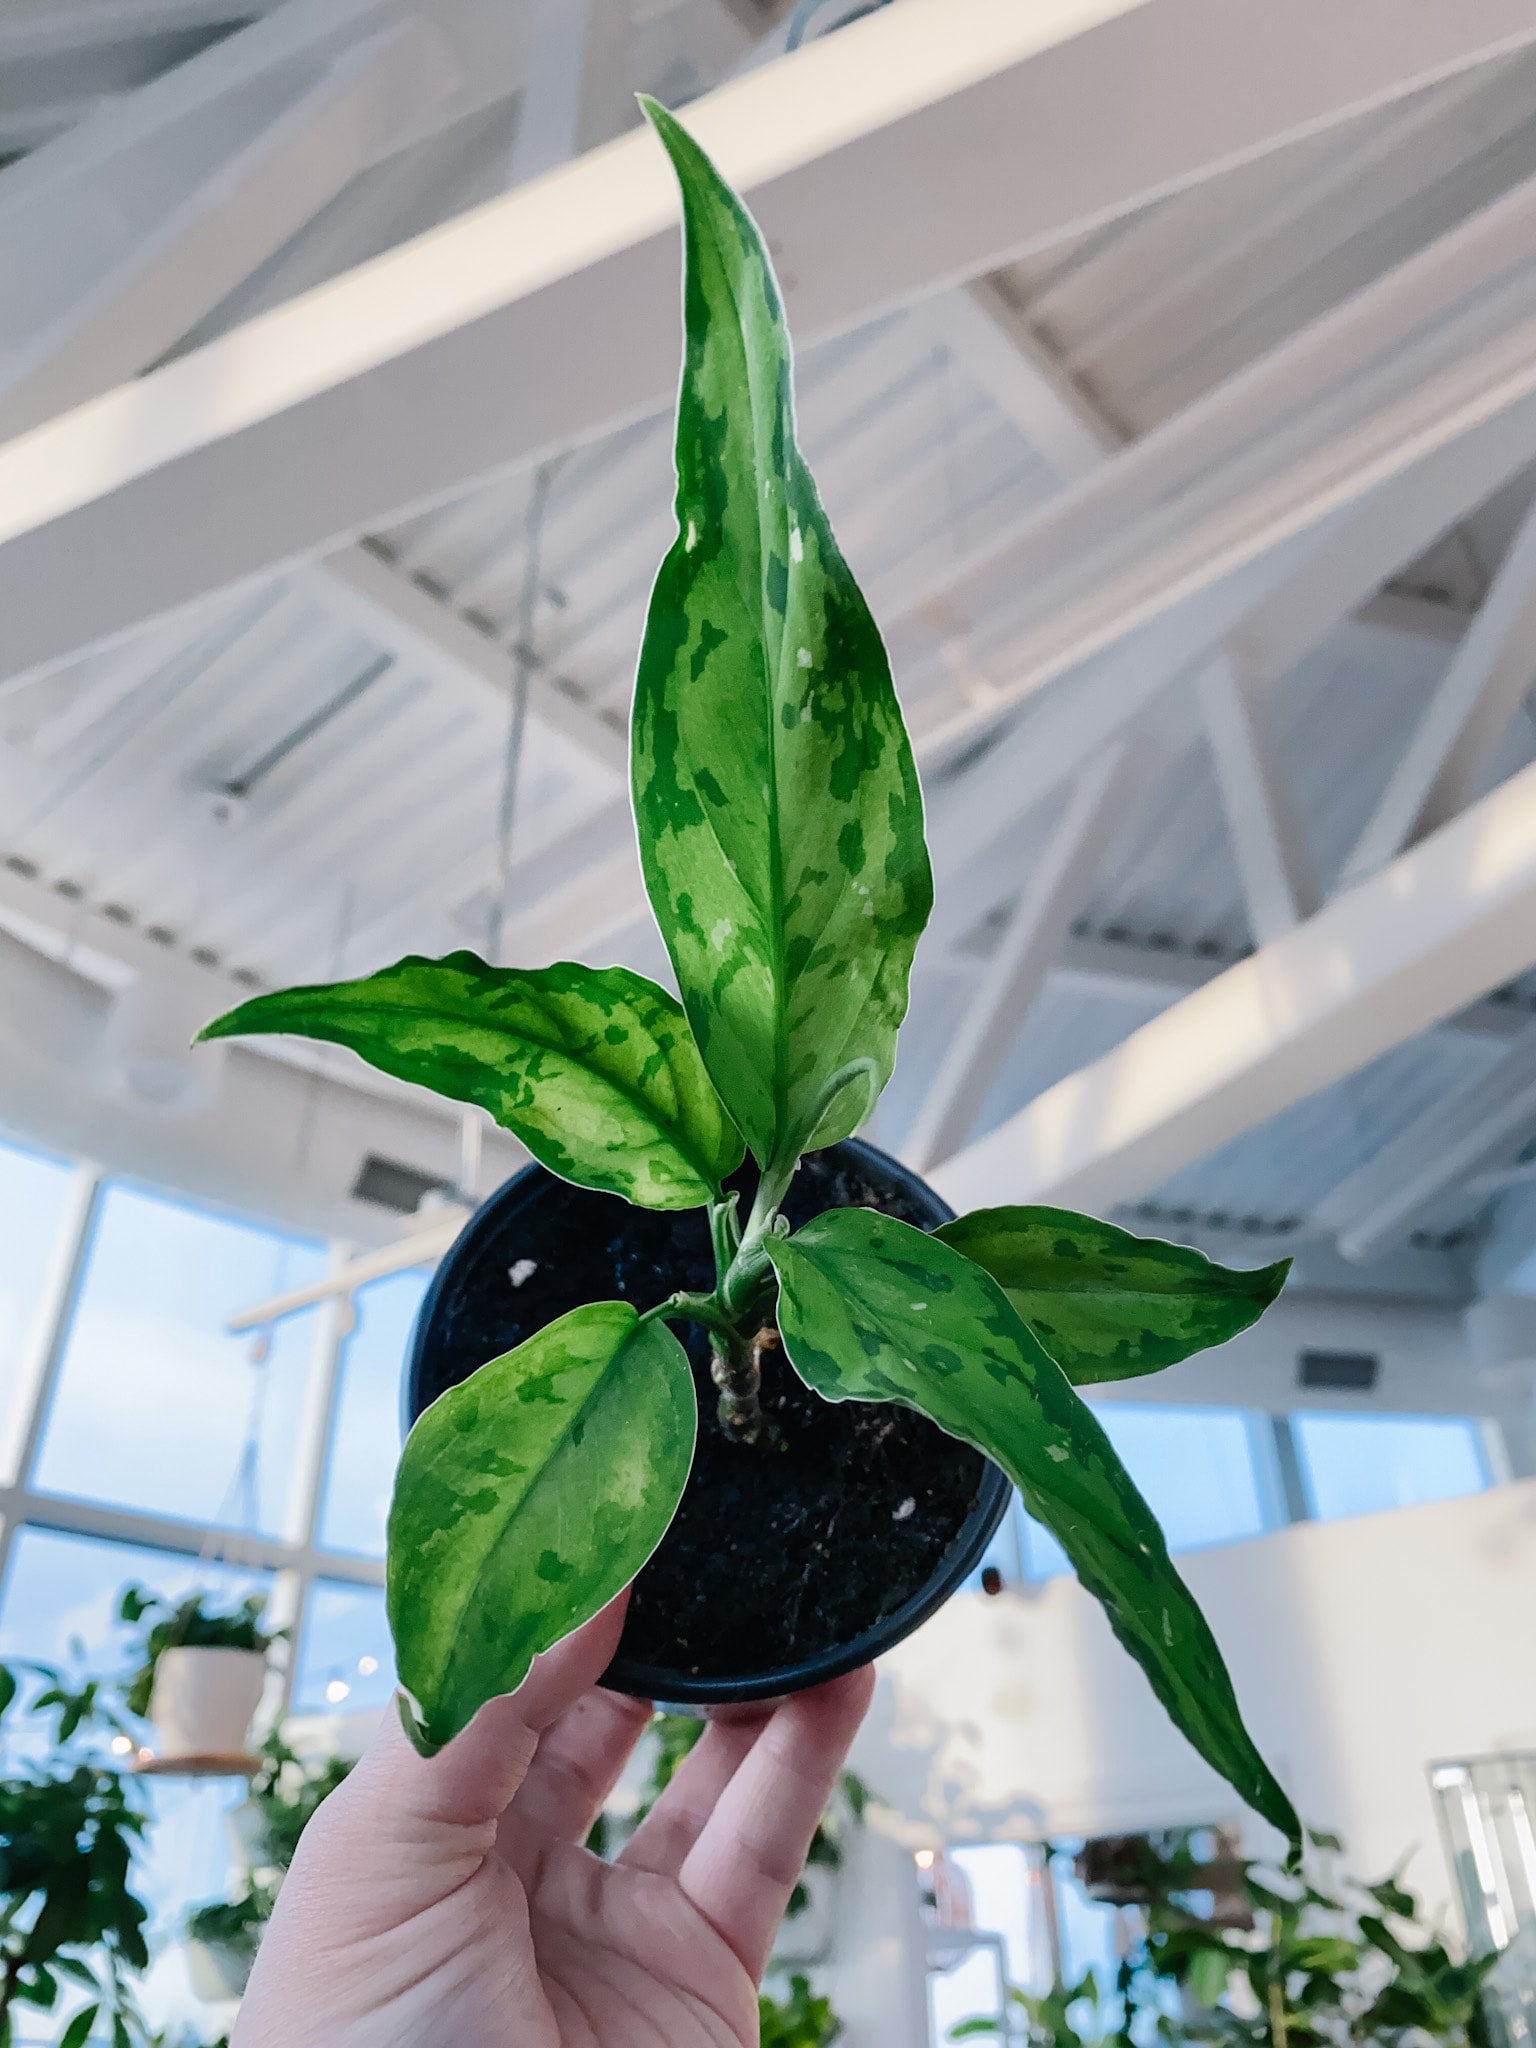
point(451, 1904)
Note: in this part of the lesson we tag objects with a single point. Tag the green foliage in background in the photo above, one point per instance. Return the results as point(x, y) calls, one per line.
point(800, 2020)
point(70, 1828)
point(73, 1820)
point(780, 827)
point(1302, 1957)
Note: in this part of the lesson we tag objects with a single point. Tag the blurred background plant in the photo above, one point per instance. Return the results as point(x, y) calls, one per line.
point(1240, 1954)
point(800, 2020)
point(70, 1827)
point(73, 1818)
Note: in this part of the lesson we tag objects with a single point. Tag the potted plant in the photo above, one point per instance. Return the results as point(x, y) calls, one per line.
point(70, 1829)
point(221, 1942)
point(200, 1673)
point(865, 1363)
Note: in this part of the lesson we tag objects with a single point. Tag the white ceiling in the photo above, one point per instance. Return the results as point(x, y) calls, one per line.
point(276, 791)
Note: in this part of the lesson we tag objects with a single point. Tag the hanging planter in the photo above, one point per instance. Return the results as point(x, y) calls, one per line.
point(784, 1395)
point(199, 1682)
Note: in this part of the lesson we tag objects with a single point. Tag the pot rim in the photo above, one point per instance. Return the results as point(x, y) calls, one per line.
point(651, 1682)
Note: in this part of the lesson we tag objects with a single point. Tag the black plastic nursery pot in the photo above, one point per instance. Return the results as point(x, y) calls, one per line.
point(789, 1562)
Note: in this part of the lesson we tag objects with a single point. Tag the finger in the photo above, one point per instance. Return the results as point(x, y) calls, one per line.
point(473, 1780)
point(663, 1839)
point(578, 1762)
point(748, 1859)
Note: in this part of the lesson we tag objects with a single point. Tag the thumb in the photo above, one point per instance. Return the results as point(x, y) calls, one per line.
point(471, 1782)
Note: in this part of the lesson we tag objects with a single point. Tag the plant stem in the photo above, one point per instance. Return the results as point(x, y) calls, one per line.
point(1278, 2026)
point(741, 1269)
point(735, 1371)
point(8, 1988)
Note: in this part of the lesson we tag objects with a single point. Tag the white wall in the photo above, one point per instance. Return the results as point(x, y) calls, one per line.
point(269, 1139)
point(1361, 1651)
point(1428, 1365)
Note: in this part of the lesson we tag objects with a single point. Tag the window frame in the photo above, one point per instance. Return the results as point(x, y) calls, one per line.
point(295, 1558)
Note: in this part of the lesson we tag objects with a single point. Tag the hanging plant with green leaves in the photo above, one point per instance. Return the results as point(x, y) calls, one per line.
point(781, 836)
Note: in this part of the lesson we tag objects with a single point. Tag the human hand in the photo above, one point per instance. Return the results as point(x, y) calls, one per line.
point(451, 1904)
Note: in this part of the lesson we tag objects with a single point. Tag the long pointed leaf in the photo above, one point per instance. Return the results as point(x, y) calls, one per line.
point(781, 828)
point(873, 1310)
point(1105, 1304)
point(79, 2029)
point(526, 1499)
point(594, 1069)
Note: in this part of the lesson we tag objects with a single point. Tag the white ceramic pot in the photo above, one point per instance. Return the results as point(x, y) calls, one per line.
point(204, 1701)
point(218, 1972)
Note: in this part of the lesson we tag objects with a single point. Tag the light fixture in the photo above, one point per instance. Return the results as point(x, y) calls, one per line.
point(337, 1691)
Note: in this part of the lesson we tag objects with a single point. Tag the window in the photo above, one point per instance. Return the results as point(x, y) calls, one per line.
point(155, 1399)
point(34, 1195)
point(365, 1442)
point(62, 1590)
point(1195, 1468)
point(1361, 1464)
point(345, 1660)
point(156, 1414)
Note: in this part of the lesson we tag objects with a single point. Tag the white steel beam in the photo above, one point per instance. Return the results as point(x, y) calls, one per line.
point(1177, 497)
point(578, 93)
point(1443, 924)
point(1190, 549)
point(1466, 718)
point(1142, 975)
point(423, 1247)
point(426, 631)
point(1483, 1123)
point(1265, 828)
point(994, 343)
point(48, 28)
point(917, 148)
point(249, 196)
point(1017, 971)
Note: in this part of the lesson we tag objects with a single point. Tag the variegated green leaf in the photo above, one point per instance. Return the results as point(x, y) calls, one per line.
point(781, 827)
point(1105, 1304)
point(526, 1499)
point(873, 1310)
point(595, 1069)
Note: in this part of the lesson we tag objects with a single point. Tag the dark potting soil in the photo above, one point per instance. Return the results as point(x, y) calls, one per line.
point(779, 1552)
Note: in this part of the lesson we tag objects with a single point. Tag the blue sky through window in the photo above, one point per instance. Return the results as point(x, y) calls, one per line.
point(366, 1441)
point(1195, 1468)
point(1362, 1464)
point(155, 1398)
